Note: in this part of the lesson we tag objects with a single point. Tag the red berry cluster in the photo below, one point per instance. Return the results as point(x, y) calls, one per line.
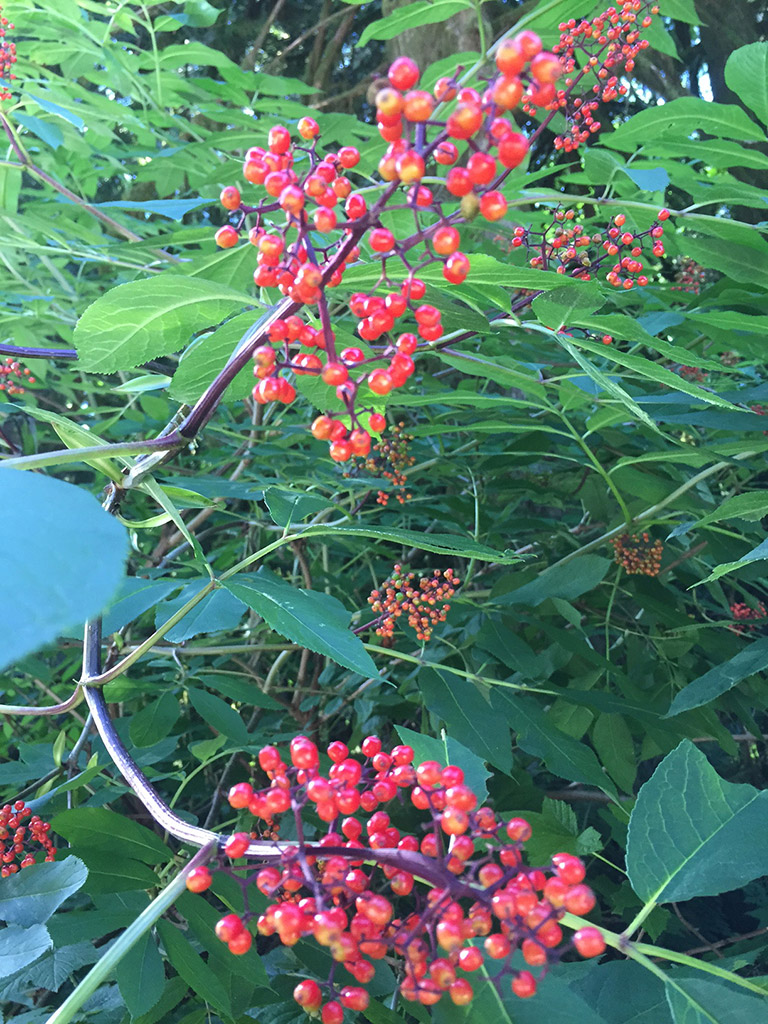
point(391, 459)
point(693, 373)
point(689, 277)
point(7, 57)
point(746, 616)
point(639, 555)
point(567, 249)
point(442, 904)
point(423, 602)
point(19, 828)
point(606, 47)
point(304, 243)
point(10, 372)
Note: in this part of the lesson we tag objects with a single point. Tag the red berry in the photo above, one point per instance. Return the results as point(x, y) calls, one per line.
point(308, 994)
point(230, 198)
point(524, 985)
point(354, 998)
point(237, 844)
point(589, 942)
point(513, 149)
point(403, 73)
point(381, 240)
point(226, 237)
point(456, 268)
point(199, 879)
point(333, 1013)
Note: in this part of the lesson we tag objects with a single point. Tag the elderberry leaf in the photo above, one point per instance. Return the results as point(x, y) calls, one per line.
point(746, 73)
point(749, 661)
point(190, 966)
point(141, 320)
point(679, 118)
point(691, 833)
point(21, 946)
point(140, 976)
point(98, 829)
point(31, 896)
point(623, 992)
point(314, 620)
point(699, 1000)
point(412, 16)
point(70, 564)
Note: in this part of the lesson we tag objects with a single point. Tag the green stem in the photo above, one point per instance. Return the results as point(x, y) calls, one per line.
point(100, 971)
point(642, 951)
point(65, 455)
point(137, 652)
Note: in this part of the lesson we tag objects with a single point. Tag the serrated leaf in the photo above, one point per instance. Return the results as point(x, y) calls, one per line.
point(219, 715)
point(142, 320)
point(207, 357)
point(99, 829)
point(448, 750)
point(539, 737)
point(190, 966)
point(314, 620)
point(468, 713)
point(140, 976)
point(702, 1000)
point(73, 564)
point(680, 118)
point(21, 946)
point(691, 833)
point(287, 506)
point(721, 678)
point(154, 721)
point(439, 543)
point(220, 610)
point(33, 895)
point(564, 581)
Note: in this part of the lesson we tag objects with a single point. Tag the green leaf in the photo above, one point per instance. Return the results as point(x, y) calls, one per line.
point(314, 620)
point(20, 947)
point(439, 543)
point(721, 678)
point(538, 736)
point(623, 992)
point(142, 320)
point(680, 118)
point(135, 596)
point(447, 750)
point(702, 1000)
point(559, 308)
point(219, 715)
point(613, 742)
point(752, 506)
point(155, 721)
point(190, 966)
point(99, 829)
point(735, 261)
point(73, 563)
point(216, 612)
point(564, 581)
point(757, 554)
point(681, 10)
point(207, 356)
point(746, 73)
point(140, 976)
point(287, 506)
point(468, 712)
point(50, 134)
point(31, 896)
point(59, 964)
point(412, 16)
point(691, 833)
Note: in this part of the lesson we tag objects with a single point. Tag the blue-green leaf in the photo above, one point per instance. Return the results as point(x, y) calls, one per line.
point(33, 895)
point(691, 833)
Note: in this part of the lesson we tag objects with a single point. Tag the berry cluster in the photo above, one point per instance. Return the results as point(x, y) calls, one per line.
point(19, 828)
point(689, 277)
point(746, 616)
point(10, 372)
point(441, 904)
point(304, 242)
point(391, 459)
point(693, 373)
point(423, 602)
point(639, 555)
point(605, 47)
point(567, 249)
point(7, 57)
